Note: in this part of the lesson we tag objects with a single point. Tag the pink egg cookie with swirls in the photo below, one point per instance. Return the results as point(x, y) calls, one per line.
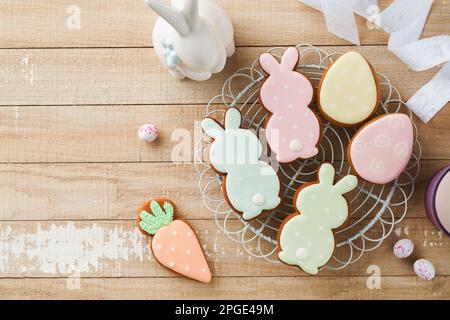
point(293, 131)
point(382, 148)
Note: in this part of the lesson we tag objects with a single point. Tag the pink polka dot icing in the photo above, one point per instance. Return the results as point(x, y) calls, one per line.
point(381, 150)
point(293, 130)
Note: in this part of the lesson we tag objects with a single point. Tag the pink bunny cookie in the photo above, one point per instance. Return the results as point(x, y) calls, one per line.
point(293, 131)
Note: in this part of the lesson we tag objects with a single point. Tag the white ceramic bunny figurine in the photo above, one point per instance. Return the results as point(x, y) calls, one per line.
point(306, 238)
point(250, 185)
point(192, 38)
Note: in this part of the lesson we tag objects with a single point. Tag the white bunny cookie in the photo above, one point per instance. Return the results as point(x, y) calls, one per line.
point(250, 185)
point(306, 238)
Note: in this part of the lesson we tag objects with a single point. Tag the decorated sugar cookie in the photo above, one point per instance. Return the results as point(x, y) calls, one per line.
point(348, 91)
point(306, 239)
point(293, 131)
point(174, 243)
point(250, 185)
point(381, 149)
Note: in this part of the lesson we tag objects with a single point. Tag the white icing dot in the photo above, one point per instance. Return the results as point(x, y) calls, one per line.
point(320, 228)
point(172, 248)
point(280, 118)
point(311, 136)
point(326, 210)
point(290, 106)
point(301, 254)
point(313, 197)
point(203, 269)
point(286, 86)
point(275, 98)
point(172, 264)
point(174, 233)
point(187, 268)
point(158, 247)
point(321, 256)
point(297, 234)
point(300, 92)
point(294, 127)
point(295, 145)
point(309, 244)
point(352, 99)
point(189, 234)
point(337, 86)
point(258, 199)
point(188, 251)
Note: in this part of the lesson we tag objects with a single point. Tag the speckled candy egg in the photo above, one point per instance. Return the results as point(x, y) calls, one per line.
point(381, 149)
point(424, 269)
point(148, 133)
point(403, 248)
point(437, 200)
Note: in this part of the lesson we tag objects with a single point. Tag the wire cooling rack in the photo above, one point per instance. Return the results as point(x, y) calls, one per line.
point(375, 209)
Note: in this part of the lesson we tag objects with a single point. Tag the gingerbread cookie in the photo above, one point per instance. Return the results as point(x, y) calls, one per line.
point(250, 185)
point(381, 149)
point(174, 243)
point(293, 131)
point(306, 238)
point(348, 92)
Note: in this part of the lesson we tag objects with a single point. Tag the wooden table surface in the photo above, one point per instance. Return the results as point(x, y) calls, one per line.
point(72, 171)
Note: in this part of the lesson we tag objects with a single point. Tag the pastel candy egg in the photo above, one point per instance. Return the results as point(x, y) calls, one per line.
point(148, 133)
point(381, 149)
point(348, 91)
point(437, 200)
point(424, 269)
point(403, 248)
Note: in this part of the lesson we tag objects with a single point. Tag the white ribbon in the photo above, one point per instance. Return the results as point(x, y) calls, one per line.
point(404, 20)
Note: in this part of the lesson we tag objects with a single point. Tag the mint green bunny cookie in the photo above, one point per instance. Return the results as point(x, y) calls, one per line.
point(306, 238)
point(251, 185)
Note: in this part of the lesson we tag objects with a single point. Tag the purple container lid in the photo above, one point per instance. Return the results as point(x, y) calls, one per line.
point(430, 198)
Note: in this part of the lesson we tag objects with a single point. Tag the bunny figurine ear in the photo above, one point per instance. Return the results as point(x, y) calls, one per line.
point(346, 184)
point(268, 63)
point(211, 127)
point(326, 174)
point(232, 119)
point(290, 58)
point(173, 16)
point(190, 11)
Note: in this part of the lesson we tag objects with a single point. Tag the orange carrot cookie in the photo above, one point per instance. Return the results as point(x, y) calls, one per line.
point(174, 243)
